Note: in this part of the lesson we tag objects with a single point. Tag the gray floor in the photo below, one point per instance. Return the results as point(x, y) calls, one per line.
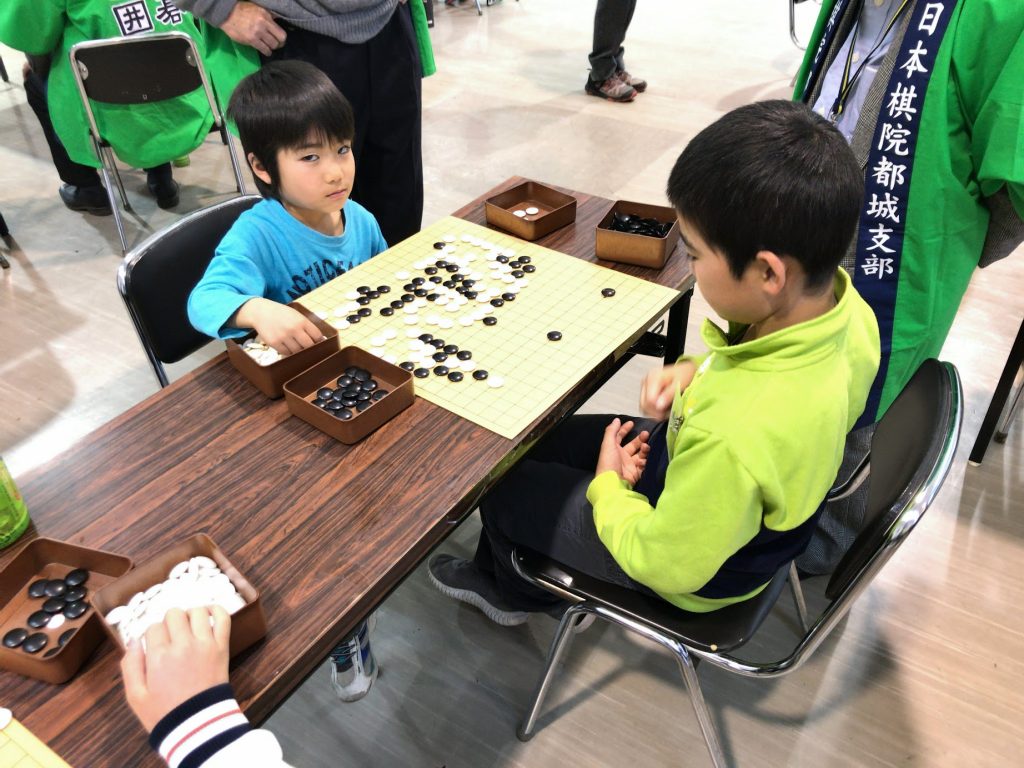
point(925, 672)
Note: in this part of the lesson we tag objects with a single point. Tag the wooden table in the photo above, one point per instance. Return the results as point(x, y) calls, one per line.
point(326, 531)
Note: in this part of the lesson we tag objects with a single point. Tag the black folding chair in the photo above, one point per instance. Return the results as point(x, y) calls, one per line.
point(140, 70)
point(156, 278)
point(911, 453)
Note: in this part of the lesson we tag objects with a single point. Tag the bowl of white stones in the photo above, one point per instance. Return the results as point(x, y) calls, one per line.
point(191, 574)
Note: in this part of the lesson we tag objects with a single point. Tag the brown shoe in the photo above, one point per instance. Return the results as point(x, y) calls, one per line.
point(612, 89)
point(637, 84)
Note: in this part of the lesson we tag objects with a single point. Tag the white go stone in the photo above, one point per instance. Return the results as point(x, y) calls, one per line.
point(452, 308)
point(412, 333)
point(389, 333)
point(420, 302)
point(353, 295)
point(378, 341)
point(495, 381)
point(467, 365)
point(402, 275)
point(410, 309)
point(532, 211)
point(449, 238)
point(433, 319)
point(520, 213)
point(117, 615)
point(390, 359)
point(412, 320)
point(465, 320)
point(444, 322)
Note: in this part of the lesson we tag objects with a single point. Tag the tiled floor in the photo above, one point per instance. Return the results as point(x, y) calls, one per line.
point(925, 672)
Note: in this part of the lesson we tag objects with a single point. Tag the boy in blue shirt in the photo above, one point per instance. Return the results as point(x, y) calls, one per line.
point(297, 131)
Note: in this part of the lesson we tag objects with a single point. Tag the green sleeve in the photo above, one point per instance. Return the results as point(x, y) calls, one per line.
point(32, 26)
point(710, 507)
point(988, 67)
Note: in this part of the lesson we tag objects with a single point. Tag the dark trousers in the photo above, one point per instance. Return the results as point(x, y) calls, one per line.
point(611, 20)
point(542, 504)
point(70, 172)
point(381, 79)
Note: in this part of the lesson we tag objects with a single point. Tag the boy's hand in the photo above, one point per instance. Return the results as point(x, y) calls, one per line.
point(627, 461)
point(660, 388)
point(285, 329)
point(184, 656)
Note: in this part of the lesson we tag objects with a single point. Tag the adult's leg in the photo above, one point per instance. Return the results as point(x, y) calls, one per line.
point(611, 19)
point(70, 172)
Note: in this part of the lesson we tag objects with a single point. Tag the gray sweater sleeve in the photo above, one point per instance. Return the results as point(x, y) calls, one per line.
point(214, 11)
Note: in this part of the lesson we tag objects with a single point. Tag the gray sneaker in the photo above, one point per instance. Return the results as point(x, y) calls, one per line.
point(461, 580)
point(636, 83)
point(612, 89)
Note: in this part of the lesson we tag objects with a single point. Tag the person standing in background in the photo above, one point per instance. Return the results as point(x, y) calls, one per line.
point(609, 78)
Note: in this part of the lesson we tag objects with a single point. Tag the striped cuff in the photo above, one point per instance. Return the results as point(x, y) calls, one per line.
point(194, 731)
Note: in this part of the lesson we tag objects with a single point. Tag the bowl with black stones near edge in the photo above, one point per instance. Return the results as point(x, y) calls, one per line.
point(270, 379)
point(637, 233)
point(48, 624)
point(350, 394)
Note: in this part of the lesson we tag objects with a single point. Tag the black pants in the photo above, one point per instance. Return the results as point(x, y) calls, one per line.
point(381, 78)
point(542, 504)
point(611, 20)
point(70, 172)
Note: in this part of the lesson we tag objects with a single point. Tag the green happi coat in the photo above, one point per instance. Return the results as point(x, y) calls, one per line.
point(143, 136)
point(970, 147)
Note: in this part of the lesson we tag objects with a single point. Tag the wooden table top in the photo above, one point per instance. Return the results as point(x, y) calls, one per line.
point(324, 530)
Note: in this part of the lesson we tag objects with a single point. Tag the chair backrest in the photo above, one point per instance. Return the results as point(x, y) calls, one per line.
point(156, 278)
point(139, 70)
point(911, 452)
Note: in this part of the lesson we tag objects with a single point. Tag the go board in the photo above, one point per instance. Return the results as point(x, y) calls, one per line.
point(19, 747)
point(526, 371)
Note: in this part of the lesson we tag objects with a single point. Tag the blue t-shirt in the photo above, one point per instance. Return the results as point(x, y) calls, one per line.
point(270, 254)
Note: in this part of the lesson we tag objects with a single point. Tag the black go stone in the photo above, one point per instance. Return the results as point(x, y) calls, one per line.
point(480, 374)
point(421, 373)
point(464, 354)
point(363, 289)
point(320, 402)
point(346, 380)
point(452, 268)
point(607, 292)
point(502, 259)
point(408, 287)
point(38, 619)
point(448, 283)
point(436, 343)
point(66, 636)
point(418, 281)
point(407, 365)
point(470, 294)
point(517, 273)
point(360, 407)
point(353, 319)
point(387, 311)
point(529, 268)
point(378, 395)
point(490, 320)
point(497, 302)
point(440, 263)
point(335, 405)
point(350, 402)
point(383, 289)
point(363, 300)
point(55, 588)
point(508, 296)
point(364, 311)
point(34, 643)
point(441, 370)
point(51, 652)
point(74, 594)
point(408, 297)
point(351, 390)
point(431, 297)
point(451, 349)
point(397, 304)
point(438, 246)
point(54, 605)
point(325, 392)
point(468, 283)
point(524, 259)
point(344, 414)
point(37, 589)
point(351, 370)
point(77, 577)
point(362, 396)
point(373, 295)
point(455, 376)
point(554, 335)
point(425, 337)
point(420, 292)
point(15, 637)
point(361, 375)
point(439, 357)
point(74, 610)
point(430, 271)
point(369, 385)
point(436, 279)
point(515, 264)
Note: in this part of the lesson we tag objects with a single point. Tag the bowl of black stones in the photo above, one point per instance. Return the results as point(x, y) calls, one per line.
point(47, 622)
point(267, 369)
point(637, 233)
point(350, 394)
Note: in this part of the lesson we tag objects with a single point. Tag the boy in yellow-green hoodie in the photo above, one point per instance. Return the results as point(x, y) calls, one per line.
point(704, 500)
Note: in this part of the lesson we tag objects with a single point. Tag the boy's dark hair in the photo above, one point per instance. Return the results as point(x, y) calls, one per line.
point(771, 176)
point(280, 105)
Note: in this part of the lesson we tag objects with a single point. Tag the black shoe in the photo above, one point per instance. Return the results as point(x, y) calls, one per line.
point(92, 199)
point(164, 189)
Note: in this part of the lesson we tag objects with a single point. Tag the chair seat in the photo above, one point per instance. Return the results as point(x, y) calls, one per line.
point(714, 632)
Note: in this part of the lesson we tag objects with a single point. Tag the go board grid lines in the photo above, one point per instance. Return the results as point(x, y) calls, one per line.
point(563, 294)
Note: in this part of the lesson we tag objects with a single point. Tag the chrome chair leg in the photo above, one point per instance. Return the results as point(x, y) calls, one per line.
point(1003, 431)
point(239, 182)
point(700, 707)
point(792, 25)
point(798, 596)
point(108, 182)
point(559, 645)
